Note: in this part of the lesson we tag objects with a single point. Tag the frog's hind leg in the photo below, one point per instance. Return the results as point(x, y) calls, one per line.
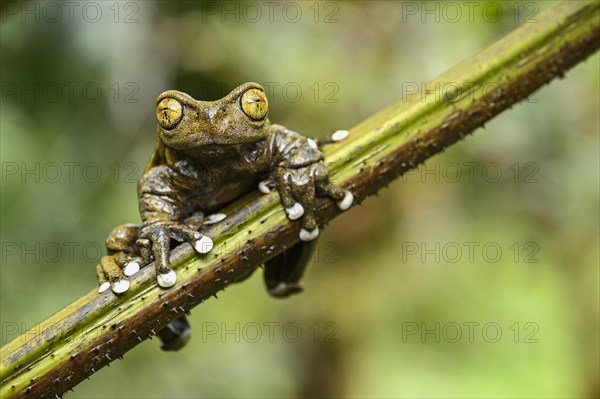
point(283, 273)
point(121, 245)
point(175, 335)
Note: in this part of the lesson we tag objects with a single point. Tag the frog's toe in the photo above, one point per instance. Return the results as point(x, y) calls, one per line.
point(203, 245)
point(339, 135)
point(214, 218)
point(282, 290)
point(346, 202)
point(120, 286)
point(131, 268)
point(167, 280)
point(295, 212)
point(103, 287)
point(306, 235)
point(263, 187)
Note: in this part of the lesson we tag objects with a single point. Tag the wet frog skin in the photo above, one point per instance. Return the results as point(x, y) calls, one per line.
point(207, 155)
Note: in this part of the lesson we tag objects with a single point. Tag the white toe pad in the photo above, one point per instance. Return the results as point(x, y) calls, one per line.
point(203, 245)
point(263, 187)
point(131, 268)
point(103, 287)
point(339, 135)
point(120, 286)
point(167, 280)
point(346, 202)
point(313, 144)
point(215, 218)
point(295, 212)
point(306, 235)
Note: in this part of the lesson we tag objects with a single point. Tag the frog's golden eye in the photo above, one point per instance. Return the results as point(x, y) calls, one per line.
point(169, 112)
point(254, 104)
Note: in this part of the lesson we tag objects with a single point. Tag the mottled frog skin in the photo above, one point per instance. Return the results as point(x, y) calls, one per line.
point(207, 155)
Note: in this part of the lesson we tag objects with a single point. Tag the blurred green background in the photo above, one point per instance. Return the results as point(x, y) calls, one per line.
point(476, 276)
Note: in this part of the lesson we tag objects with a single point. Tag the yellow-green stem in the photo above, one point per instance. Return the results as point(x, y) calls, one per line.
point(97, 328)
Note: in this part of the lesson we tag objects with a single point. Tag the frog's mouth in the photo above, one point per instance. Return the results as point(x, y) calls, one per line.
point(219, 151)
point(200, 141)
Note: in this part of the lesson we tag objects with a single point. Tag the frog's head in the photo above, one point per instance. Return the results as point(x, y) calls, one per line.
point(188, 124)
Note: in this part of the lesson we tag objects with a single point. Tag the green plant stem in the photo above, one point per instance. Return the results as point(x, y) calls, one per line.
point(72, 344)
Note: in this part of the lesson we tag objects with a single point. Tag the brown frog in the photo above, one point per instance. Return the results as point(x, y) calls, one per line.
point(207, 155)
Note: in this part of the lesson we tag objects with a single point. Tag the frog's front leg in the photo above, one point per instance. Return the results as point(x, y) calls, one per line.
point(164, 201)
point(300, 175)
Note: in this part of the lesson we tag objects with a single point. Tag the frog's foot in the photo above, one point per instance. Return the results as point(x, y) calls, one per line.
point(343, 198)
point(297, 191)
point(298, 188)
point(283, 273)
point(111, 276)
point(175, 335)
point(283, 290)
point(155, 239)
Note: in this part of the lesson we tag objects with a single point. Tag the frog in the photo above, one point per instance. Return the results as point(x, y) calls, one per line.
point(207, 155)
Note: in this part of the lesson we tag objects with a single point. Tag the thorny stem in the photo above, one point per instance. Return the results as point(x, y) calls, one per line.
point(80, 339)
